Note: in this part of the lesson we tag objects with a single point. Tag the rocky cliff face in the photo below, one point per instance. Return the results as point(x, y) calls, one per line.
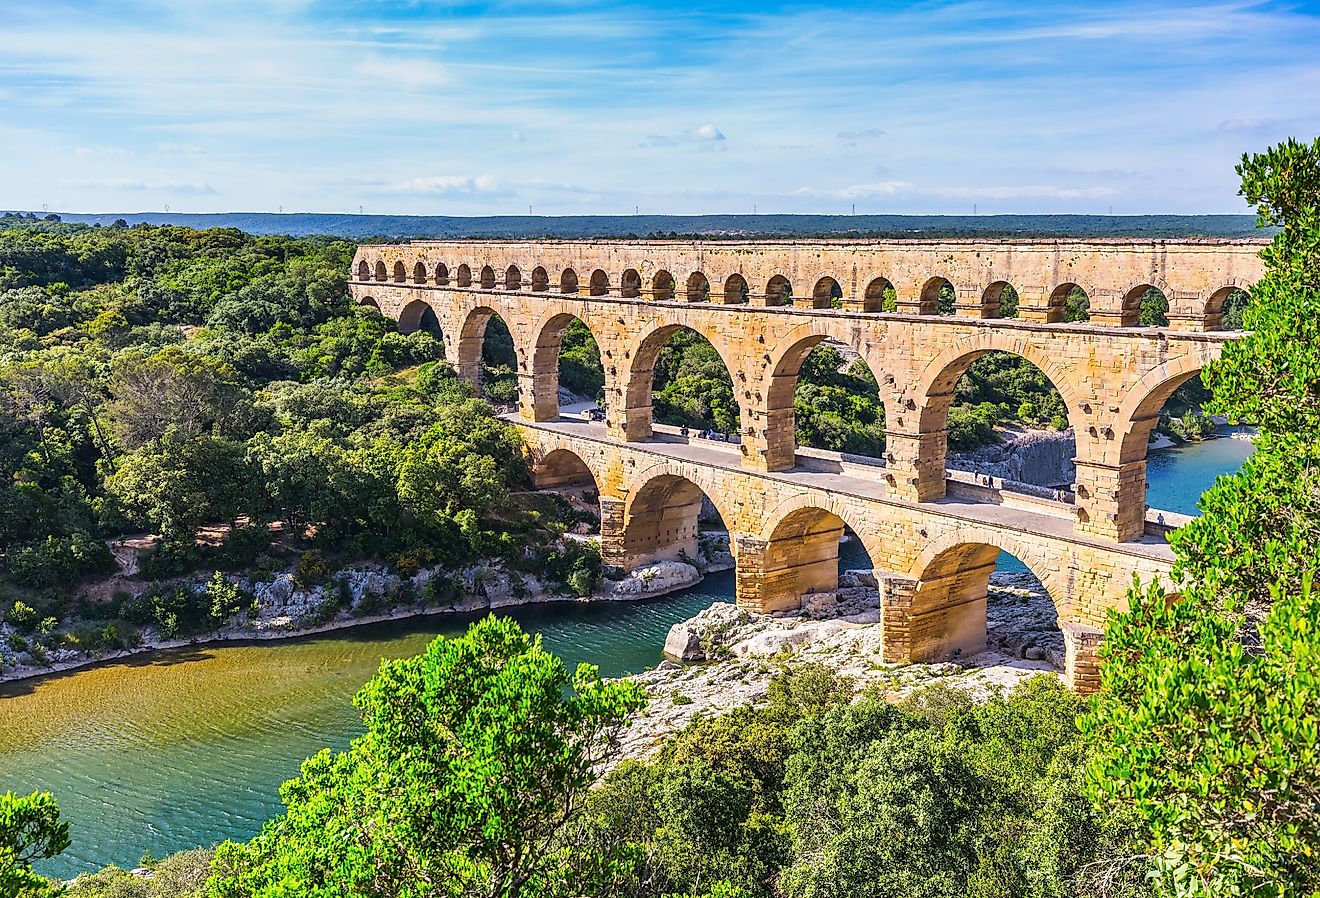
point(1039, 457)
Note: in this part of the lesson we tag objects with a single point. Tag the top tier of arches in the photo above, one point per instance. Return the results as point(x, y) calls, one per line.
point(965, 280)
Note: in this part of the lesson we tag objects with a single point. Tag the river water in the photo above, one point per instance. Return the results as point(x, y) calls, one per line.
point(188, 747)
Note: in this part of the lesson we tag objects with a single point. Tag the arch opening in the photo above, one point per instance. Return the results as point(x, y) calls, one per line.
point(381, 274)
point(566, 368)
point(400, 273)
point(363, 271)
point(600, 283)
point(1145, 306)
point(810, 556)
point(369, 301)
point(938, 297)
point(464, 276)
point(999, 300)
point(568, 281)
point(540, 280)
point(778, 291)
point(1068, 303)
point(973, 597)
point(735, 290)
point(824, 396)
point(512, 278)
point(630, 285)
point(664, 521)
point(487, 278)
point(827, 294)
point(486, 356)
point(1224, 309)
point(562, 470)
point(880, 296)
point(662, 286)
point(677, 377)
point(442, 274)
point(698, 287)
point(419, 316)
point(419, 273)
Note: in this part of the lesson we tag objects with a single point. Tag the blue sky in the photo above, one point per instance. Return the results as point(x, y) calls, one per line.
point(487, 108)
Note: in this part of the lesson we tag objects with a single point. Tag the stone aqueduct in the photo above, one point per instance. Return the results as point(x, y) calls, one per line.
point(933, 535)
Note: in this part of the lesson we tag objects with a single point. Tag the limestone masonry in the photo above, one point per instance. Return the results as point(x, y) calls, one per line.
point(933, 535)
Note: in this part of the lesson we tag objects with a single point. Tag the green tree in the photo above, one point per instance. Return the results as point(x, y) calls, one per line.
point(30, 831)
point(477, 758)
point(1208, 724)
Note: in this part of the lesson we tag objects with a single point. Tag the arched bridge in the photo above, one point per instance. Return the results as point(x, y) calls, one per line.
point(764, 306)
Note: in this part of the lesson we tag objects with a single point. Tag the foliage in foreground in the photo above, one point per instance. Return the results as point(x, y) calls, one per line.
point(30, 831)
point(1208, 728)
point(478, 754)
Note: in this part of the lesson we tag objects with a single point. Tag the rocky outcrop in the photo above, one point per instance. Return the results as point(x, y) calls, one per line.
point(725, 656)
point(654, 580)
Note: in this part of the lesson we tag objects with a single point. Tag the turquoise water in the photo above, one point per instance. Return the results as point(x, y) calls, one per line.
point(185, 748)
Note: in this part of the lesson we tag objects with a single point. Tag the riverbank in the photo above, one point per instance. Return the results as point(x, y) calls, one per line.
point(368, 594)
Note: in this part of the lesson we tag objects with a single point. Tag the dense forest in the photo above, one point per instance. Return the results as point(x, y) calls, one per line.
point(168, 380)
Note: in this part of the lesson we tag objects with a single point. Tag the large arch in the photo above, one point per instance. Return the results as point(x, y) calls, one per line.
point(781, 391)
point(472, 342)
point(560, 468)
point(546, 362)
point(638, 413)
point(661, 517)
point(419, 315)
point(369, 301)
point(798, 554)
point(946, 617)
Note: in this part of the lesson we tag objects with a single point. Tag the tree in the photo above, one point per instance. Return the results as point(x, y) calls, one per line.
point(30, 831)
point(477, 758)
point(1208, 723)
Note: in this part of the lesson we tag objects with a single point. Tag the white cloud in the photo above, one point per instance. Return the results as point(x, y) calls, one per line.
point(408, 72)
point(706, 132)
point(194, 187)
point(100, 152)
point(445, 185)
point(181, 149)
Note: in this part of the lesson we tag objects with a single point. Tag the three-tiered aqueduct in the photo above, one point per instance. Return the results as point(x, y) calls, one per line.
point(933, 535)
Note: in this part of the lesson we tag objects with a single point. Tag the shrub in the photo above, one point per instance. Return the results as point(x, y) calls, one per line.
point(59, 560)
point(22, 616)
point(311, 570)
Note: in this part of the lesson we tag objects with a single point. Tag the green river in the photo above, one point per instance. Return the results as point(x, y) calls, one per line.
point(183, 748)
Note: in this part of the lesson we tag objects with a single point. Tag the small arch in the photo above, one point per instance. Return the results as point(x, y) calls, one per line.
point(442, 274)
point(419, 273)
point(400, 273)
point(487, 278)
point(662, 286)
point(778, 291)
point(568, 281)
point(938, 297)
point(880, 296)
point(735, 290)
point(600, 283)
point(381, 273)
point(1145, 306)
point(999, 300)
point(561, 468)
point(512, 278)
point(1068, 303)
point(1224, 308)
point(540, 280)
point(363, 271)
point(698, 287)
point(826, 294)
point(630, 285)
point(464, 278)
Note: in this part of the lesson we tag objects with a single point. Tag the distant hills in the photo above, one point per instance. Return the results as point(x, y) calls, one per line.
point(395, 227)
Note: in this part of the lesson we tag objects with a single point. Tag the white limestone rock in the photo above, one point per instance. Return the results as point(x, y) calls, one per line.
point(655, 579)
